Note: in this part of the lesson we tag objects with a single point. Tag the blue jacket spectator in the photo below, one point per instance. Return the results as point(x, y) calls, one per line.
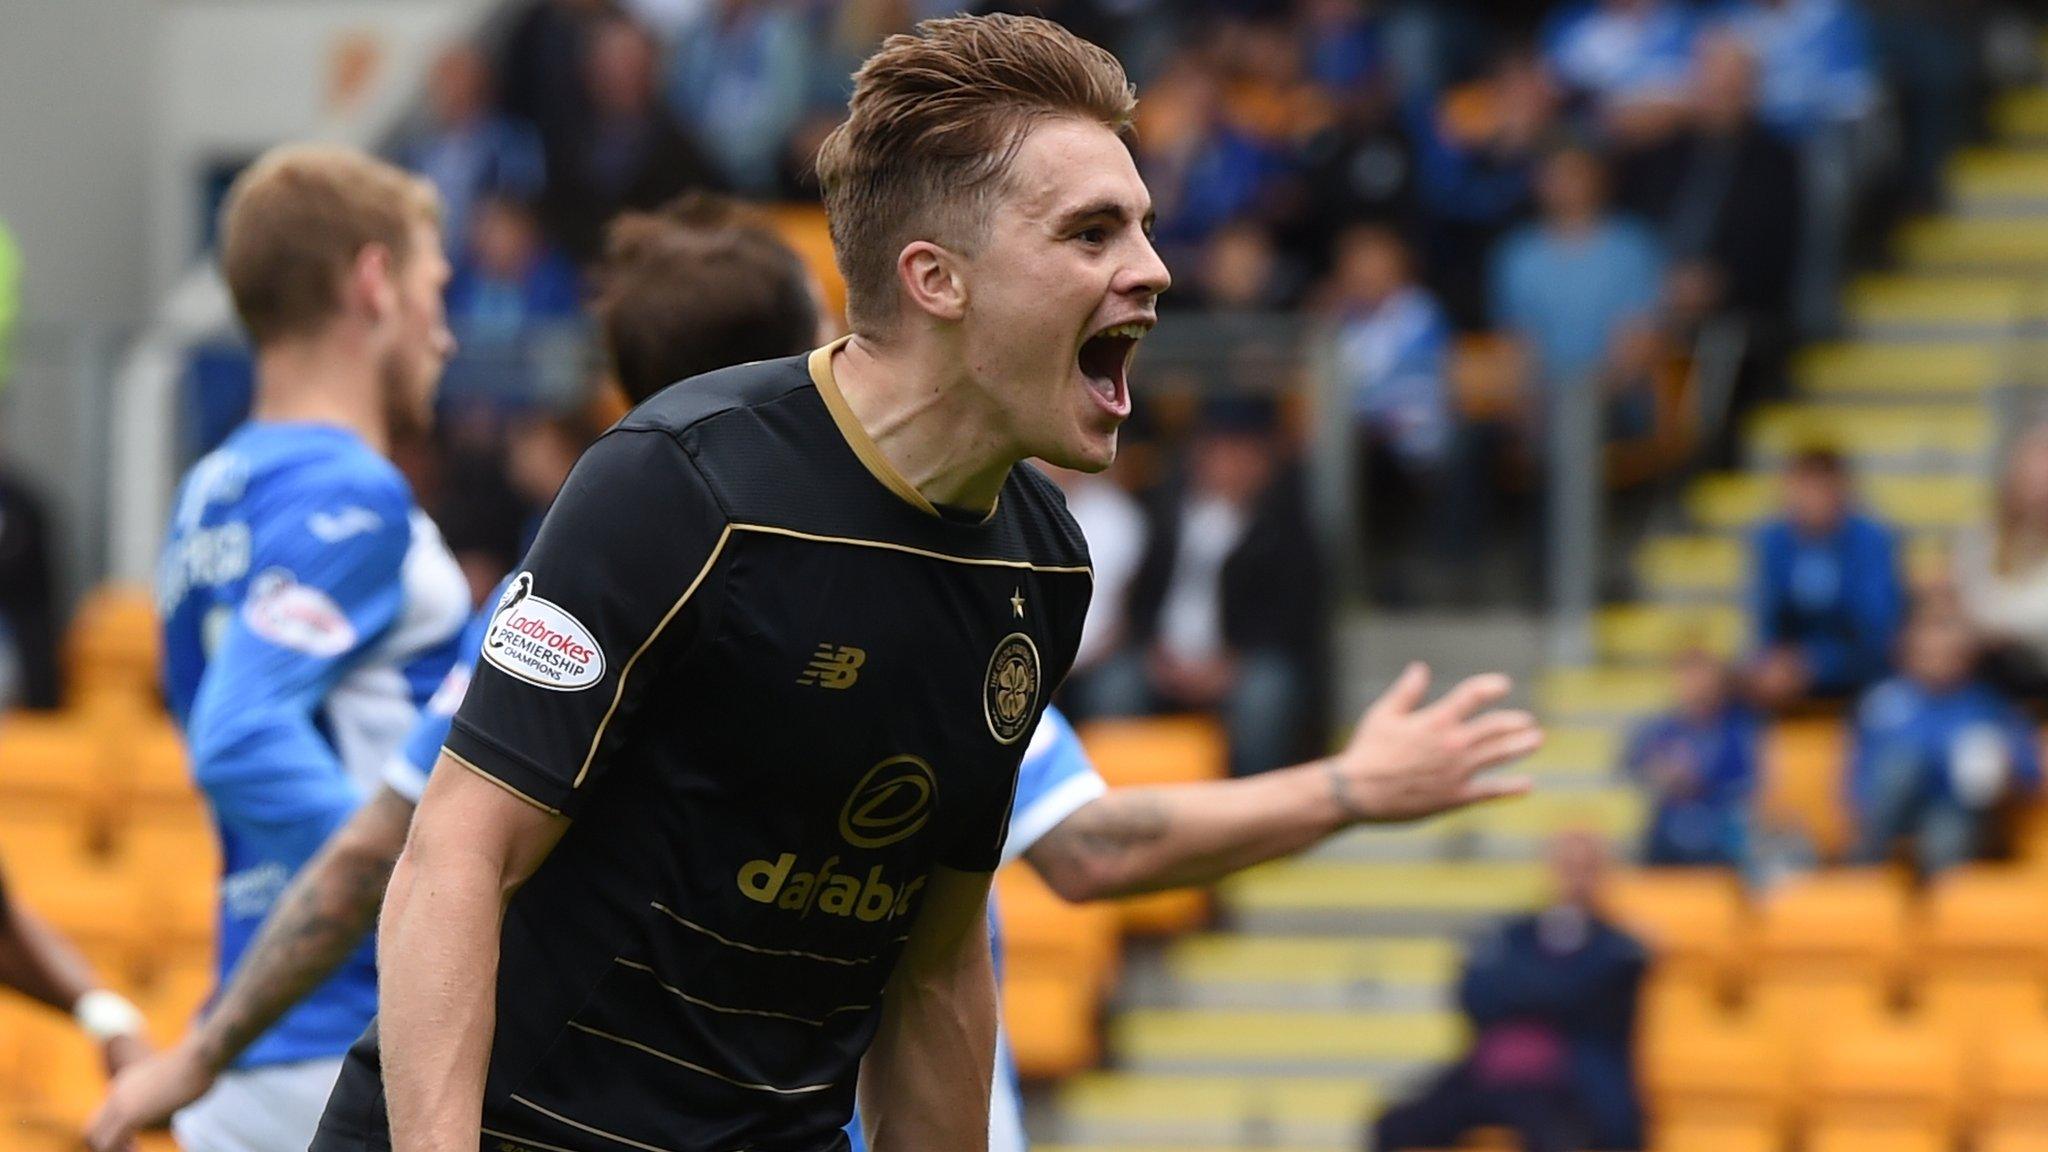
point(464, 149)
point(1936, 752)
point(739, 76)
point(1619, 52)
point(1552, 1003)
point(1816, 65)
point(1827, 597)
point(1572, 286)
point(1699, 765)
point(510, 279)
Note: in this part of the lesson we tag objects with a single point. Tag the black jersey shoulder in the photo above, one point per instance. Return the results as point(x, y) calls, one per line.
point(687, 403)
point(1039, 508)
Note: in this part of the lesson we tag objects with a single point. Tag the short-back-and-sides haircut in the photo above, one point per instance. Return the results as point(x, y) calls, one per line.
point(699, 284)
point(936, 118)
point(297, 219)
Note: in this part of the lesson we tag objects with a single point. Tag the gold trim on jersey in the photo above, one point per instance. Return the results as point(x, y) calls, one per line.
point(558, 1118)
point(863, 445)
point(619, 692)
point(526, 1142)
point(678, 1061)
point(862, 542)
point(757, 950)
point(517, 794)
point(685, 997)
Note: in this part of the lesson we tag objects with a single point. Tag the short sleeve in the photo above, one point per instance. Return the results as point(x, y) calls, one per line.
point(1056, 780)
point(407, 771)
point(615, 587)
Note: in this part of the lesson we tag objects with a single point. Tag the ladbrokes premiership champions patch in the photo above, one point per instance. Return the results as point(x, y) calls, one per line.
point(538, 641)
point(1009, 693)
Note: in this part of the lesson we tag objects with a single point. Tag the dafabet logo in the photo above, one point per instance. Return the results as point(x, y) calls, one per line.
point(890, 804)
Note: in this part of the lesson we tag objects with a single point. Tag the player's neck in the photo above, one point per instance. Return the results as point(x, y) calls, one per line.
point(937, 430)
point(316, 382)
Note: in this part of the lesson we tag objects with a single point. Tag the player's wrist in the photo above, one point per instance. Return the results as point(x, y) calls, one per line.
point(1345, 795)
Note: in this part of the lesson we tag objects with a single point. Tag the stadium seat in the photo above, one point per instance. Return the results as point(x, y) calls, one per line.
point(1691, 918)
point(2024, 1137)
point(1051, 1022)
point(2015, 1080)
point(1878, 1138)
point(1889, 1076)
point(1803, 765)
point(1845, 923)
point(1723, 1072)
point(51, 763)
point(1044, 933)
point(1677, 1004)
point(1984, 921)
point(113, 639)
point(1156, 749)
point(1710, 1136)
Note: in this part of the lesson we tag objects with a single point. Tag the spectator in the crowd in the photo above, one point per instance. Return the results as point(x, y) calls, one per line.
point(1238, 269)
point(1698, 763)
point(1204, 170)
point(628, 152)
point(1826, 595)
point(1391, 348)
point(738, 76)
point(464, 148)
point(509, 278)
point(1579, 291)
point(1552, 1001)
point(1114, 524)
point(2000, 572)
point(1819, 85)
point(29, 671)
point(540, 448)
point(1626, 61)
point(1936, 752)
point(1226, 610)
point(541, 77)
point(1476, 154)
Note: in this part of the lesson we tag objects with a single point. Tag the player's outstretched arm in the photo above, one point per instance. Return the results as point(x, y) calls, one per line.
point(924, 1085)
point(1406, 761)
point(472, 844)
point(317, 925)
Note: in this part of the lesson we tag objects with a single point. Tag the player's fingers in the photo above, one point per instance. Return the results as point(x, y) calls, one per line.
point(1502, 749)
point(1405, 694)
point(1490, 725)
point(1472, 694)
point(1485, 788)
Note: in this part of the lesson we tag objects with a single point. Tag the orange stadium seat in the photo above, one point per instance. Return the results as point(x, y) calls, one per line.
point(1709, 1136)
point(1051, 1024)
point(1801, 1009)
point(1045, 933)
point(1893, 1076)
point(1803, 765)
point(1984, 921)
point(51, 763)
point(1723, 1072)
point(2018, 1138)
point(1692, 918)
point(113, 639)
point(1879, 1138)
point(1850, 922)
point(2014, 1089)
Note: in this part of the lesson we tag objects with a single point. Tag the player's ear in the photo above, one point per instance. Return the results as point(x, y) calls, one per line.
point(371, 286)
point(931, 278)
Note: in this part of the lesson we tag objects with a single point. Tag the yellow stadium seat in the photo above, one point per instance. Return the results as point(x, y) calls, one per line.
point(1043, 932)
point(1676, 1005)
point(1169, 913)
point(1723, 1072)
point(60, 1073)
point(53, 763)
point(1879, 1138)
point(1984, 921)
point(1894, 1075)
point(1691, 918)
point(172, 1001)
point(1849, 922)
point(1710, 1136)
point(1801, 1009)
point(1156, 750)
point(114, 637)
point(1803, 765)
point(1972, 1010)
point(1051, 1024)
point(2019, 1137)
point(149, 765)
point(2015, 1081)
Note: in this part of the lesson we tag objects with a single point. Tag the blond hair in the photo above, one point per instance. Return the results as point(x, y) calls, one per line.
point(936, 118)
point(296, 220)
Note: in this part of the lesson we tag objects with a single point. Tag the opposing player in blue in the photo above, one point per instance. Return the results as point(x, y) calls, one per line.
point(1089, 842)
point(309, 608)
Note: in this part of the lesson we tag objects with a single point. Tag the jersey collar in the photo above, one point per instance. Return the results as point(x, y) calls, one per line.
point(857, 437)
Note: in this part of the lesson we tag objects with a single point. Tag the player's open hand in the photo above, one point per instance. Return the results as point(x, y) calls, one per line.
point(1409, 760)
point(143, 1095)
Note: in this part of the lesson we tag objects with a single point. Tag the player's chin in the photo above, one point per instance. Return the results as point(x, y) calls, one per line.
point(1085, 449)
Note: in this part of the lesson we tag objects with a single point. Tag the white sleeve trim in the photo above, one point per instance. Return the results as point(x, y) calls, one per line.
point(404, 777)
point(1066, 798)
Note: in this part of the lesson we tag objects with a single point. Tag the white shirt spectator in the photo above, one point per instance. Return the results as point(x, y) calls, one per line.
point(2010, 606)
point(1115, 529)
point(1191, 616)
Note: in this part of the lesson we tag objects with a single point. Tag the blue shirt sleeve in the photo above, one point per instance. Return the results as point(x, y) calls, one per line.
point(328, 561)
point(1056, 780)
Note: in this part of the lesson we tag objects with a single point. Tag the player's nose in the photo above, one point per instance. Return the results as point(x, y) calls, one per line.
point(1147, 274)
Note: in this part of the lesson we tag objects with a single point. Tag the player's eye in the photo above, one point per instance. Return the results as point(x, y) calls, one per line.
point(1093, 236)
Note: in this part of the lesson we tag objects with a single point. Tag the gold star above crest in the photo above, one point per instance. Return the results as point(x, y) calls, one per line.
point(1017, 602)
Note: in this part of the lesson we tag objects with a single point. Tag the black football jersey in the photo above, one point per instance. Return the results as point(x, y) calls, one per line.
point(772, 687)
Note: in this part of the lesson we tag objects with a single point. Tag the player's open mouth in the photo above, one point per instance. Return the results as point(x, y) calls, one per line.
point(1105, 360)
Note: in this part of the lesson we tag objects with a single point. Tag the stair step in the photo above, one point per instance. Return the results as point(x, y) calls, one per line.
point(1099, 1109)
point(1655, 633)
point(1975, 244)
point(1380, 1045)
point(1731, 500)
point(1613, 694)
point(1715, 566)
point(1320, 896)
point(1923, 434)
point(1905, 306)
point(1898, 373)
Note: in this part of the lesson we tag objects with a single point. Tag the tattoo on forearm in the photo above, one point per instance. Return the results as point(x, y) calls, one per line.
point(321, 921)
point(1114, 825)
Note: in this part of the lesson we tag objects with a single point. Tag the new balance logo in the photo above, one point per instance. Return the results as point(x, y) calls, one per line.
point(833, 666)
